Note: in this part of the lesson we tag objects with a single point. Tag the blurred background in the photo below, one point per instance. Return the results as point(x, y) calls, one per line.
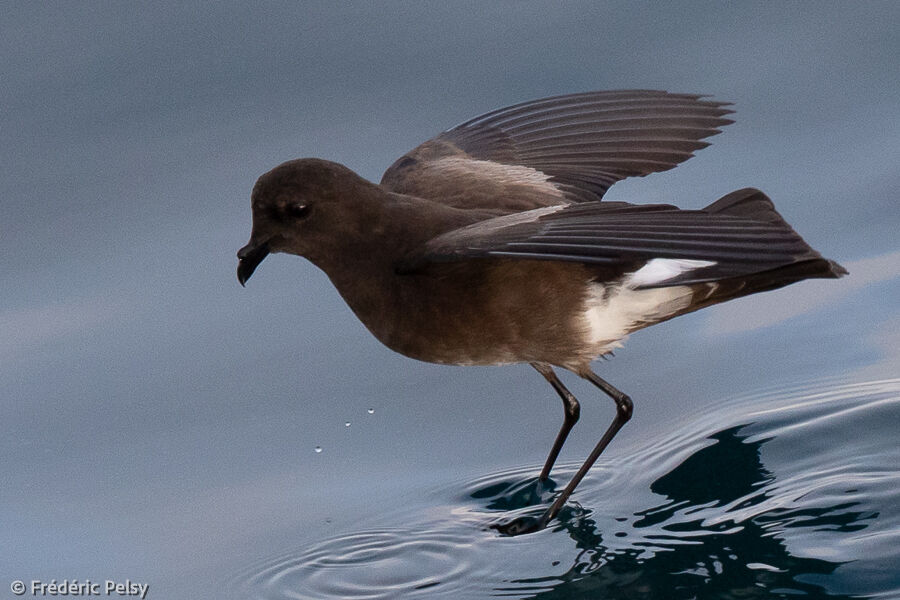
point(159, 423)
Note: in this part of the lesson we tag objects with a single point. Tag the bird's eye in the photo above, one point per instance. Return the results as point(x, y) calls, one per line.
point(298, 211)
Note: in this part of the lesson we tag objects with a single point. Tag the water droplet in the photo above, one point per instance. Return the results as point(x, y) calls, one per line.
point(318, 449)
point(371, 411)
point(347, 424)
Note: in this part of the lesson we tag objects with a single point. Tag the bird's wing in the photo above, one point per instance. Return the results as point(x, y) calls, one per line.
point(738, 235)
point(571, 147)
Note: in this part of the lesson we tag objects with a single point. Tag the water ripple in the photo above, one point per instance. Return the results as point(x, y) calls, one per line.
point(769, 496)
point(385, 563)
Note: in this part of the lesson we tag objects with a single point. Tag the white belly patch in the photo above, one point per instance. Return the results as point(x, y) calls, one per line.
point(612, 311)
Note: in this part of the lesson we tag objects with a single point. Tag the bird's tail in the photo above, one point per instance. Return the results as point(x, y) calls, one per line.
point(752, 203)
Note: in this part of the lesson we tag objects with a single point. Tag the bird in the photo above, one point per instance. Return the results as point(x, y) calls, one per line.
point(491, 244)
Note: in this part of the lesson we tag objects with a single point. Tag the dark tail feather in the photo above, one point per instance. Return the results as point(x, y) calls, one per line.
point(816, 268)
point(752, 203)
point(729, 289)
point(748, 202)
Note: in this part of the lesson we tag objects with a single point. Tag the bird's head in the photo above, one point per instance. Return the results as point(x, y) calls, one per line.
point(301, 207)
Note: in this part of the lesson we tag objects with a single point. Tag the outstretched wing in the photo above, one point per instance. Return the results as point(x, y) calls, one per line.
point(738, 235)
point(557, 150)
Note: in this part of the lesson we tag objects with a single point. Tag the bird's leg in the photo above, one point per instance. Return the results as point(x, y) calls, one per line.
point(571, 412)
point(624, 408)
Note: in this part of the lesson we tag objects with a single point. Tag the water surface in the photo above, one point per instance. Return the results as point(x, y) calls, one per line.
point(757, 499)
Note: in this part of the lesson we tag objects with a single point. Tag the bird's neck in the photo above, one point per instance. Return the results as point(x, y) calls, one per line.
point(383, 232)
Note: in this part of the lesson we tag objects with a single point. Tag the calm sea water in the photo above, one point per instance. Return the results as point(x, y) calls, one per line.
point(789, 493)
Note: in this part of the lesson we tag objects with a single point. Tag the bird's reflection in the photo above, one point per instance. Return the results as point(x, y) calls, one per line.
point(679, 552)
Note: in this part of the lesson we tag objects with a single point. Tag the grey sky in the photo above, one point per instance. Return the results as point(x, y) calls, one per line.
point(135, 366)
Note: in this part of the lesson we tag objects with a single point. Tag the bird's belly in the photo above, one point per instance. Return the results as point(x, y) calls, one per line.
point(611, 312)
point(493, 313)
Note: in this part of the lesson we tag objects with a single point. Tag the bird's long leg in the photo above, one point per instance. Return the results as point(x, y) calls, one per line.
point(624, 409)
point(571, 412)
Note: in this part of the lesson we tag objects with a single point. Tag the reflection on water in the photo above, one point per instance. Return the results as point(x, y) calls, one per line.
point(791, 493)
point(690, 547)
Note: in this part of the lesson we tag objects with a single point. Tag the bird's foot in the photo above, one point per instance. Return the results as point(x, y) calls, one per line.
point(521, 525)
